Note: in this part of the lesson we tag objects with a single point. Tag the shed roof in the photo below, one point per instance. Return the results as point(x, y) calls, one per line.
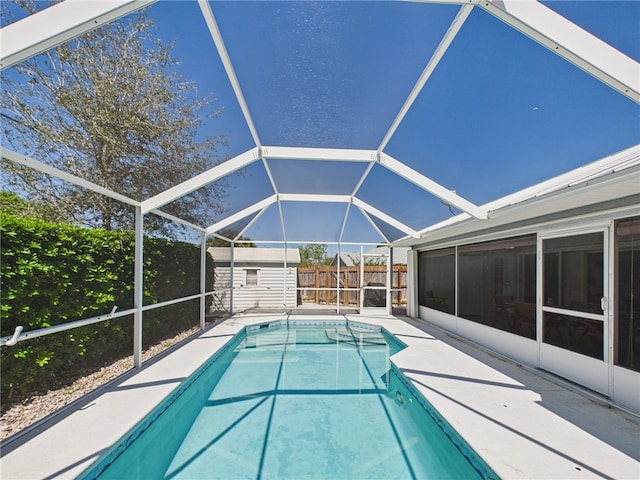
point(255, 255)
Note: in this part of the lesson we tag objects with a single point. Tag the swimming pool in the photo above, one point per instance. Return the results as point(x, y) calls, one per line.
point(291, 400)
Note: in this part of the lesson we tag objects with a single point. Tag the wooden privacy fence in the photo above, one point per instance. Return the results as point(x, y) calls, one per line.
point(318, 284)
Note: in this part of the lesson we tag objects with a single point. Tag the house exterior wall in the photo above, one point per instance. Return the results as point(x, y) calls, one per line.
point(621, 384)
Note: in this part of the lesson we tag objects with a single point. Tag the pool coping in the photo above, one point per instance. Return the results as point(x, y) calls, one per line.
point(520, 423)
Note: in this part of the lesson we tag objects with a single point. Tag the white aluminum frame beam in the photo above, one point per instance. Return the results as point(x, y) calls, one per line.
point(375, 227)
point(221, 237)
point(327, 154)
point(62, 175)
point(449, 35)
point(364, 177)
point(248, 226)
point(199, 181)
point(432, 187)
point(173, 218)
point(265, 163)
point(344, 224)
point(212, 25)
point(384, 217)
point(314, 197)
point(570, 42)
point(57, 24)
point(261, 205)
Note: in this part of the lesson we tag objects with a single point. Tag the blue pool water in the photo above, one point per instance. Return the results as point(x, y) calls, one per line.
point(295, 403)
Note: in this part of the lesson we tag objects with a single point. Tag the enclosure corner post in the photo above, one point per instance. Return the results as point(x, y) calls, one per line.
point(232, 276)
point(389, 279)
point(361, 278)
point(412, 284)
point(338, 283)
point(138, 288)
point(203, 279)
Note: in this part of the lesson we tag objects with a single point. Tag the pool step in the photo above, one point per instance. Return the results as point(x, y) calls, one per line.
point(348, 336)
point(276, 338)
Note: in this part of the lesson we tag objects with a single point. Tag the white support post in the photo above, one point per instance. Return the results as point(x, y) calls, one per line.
point(457, 284)
point(361, 278)
point(389, 280)
point(338, 283)
point(203, 279)
point(138, 289)
point(412, 283)
point(231, 265)
point(284, 299)
point(284, 230)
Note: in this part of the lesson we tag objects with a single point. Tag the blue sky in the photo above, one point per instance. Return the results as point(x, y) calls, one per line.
point(499, 113)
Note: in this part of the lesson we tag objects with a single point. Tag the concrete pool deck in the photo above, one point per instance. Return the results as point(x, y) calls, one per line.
point(522, 424)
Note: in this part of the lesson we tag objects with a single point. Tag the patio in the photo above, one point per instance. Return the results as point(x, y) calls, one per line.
point(523, 424)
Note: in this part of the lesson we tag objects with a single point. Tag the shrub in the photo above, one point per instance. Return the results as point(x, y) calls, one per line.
point(55, 273)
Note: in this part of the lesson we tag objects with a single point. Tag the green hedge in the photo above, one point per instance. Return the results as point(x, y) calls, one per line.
point(55, 273)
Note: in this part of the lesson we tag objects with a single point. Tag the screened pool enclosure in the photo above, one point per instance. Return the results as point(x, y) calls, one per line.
point(429, 125)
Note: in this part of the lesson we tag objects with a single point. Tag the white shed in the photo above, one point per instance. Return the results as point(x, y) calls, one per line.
point(259, 277)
